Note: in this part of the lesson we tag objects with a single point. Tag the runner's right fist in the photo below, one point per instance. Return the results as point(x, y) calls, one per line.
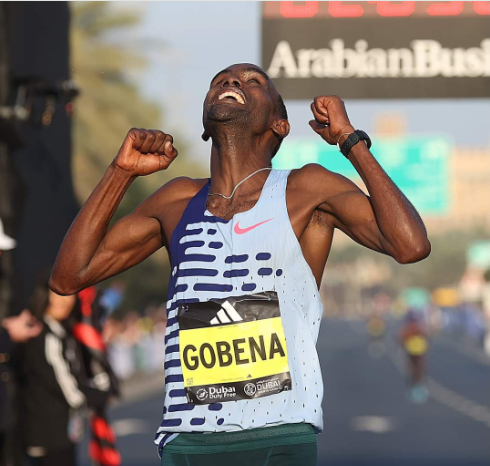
point(144, 152)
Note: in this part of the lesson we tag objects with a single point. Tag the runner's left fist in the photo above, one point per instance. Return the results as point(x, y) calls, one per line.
point(331, 119)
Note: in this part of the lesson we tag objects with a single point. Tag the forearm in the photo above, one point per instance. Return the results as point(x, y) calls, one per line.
point(88, 230)
point(399, 230)
point(402, 229)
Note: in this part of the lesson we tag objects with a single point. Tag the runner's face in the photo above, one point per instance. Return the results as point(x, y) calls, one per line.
point(240, 92)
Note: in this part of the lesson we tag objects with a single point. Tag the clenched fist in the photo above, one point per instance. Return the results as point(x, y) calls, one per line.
point(145, 151)
point(331, 119)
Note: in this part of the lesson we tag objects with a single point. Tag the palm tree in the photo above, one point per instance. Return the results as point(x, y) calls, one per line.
point(110, 103)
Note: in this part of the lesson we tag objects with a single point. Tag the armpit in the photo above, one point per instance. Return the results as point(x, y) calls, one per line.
point(321, 219)
point(317, 241)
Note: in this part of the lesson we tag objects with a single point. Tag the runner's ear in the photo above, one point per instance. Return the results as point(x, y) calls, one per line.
point(281, 128)
point(205, 136)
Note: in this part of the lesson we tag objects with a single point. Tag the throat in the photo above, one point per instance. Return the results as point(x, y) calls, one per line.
point(228, 208)
point(232, 139)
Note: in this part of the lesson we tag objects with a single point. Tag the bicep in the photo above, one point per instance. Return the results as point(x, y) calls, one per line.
point(352, 212)
point(135, 237)
point(130, 241)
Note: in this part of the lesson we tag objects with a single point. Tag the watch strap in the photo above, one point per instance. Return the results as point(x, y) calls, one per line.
point(352, 140)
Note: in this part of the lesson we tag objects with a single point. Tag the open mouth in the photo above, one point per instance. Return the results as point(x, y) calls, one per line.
point(232, 96)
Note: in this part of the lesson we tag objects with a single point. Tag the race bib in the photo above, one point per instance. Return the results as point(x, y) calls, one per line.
point(233, 349)
point(416, 345)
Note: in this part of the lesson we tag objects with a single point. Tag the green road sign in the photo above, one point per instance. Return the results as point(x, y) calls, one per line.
point(418, 165)
point(478, 254)
point(415, 297)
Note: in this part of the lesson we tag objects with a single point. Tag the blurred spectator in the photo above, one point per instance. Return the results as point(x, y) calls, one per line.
point(96, 372)
point(50, 396)
point(485, 303)
point(6, 242)
point(15, 329)
point(18, 329)
point(137, 343)
point(112, 297)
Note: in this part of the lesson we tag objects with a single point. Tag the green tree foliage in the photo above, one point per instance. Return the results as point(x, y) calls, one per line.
point(104, 62)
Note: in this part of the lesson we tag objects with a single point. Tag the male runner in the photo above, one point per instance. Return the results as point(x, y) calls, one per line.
point(247, 247)
point(414, 340)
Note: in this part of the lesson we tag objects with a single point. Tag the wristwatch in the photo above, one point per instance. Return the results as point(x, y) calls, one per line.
point(352, 140)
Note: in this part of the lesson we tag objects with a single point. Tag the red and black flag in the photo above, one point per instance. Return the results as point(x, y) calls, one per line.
point(87, 330)
point(102, 447)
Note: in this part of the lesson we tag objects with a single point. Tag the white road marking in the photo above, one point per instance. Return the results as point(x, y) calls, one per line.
point(458, 403)
point(446, 396)
point(376, 424)
point(124, 427)
point(465, 350)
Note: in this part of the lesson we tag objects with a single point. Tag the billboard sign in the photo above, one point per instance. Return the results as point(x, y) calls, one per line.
point(381, 49)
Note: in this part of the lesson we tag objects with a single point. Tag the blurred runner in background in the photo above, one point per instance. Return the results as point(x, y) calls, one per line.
point(376, 329)
point(414, 340)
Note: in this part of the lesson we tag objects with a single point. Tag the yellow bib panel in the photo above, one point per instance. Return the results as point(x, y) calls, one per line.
point(240, 354)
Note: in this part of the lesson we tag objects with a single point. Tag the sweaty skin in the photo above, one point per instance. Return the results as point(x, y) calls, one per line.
point(245, 132)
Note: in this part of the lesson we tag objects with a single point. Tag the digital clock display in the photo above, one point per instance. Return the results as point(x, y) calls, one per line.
point(370, 50)
point(374, 9)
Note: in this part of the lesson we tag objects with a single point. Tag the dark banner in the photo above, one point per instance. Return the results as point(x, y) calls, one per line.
point(44, 204)
point(243, 390)
point(374, 56)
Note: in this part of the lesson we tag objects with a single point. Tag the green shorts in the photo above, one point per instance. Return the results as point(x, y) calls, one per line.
point(285, 445)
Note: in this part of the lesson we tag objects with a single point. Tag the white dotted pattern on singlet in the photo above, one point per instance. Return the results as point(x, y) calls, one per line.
point(211, 261)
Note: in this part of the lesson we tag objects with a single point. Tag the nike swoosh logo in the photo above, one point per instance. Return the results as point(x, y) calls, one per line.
point(241, 231)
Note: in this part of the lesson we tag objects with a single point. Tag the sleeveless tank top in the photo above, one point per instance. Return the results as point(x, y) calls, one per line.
point(222, 271)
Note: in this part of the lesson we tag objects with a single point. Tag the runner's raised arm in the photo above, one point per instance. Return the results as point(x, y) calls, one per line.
point(384, 221)
point(89, 253)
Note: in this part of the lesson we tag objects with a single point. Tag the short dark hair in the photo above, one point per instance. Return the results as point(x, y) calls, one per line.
point(280, 109)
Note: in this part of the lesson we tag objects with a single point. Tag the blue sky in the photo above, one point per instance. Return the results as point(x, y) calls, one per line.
point(201, 38)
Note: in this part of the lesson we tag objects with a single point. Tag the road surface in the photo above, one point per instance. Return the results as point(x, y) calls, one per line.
point(369, 420)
